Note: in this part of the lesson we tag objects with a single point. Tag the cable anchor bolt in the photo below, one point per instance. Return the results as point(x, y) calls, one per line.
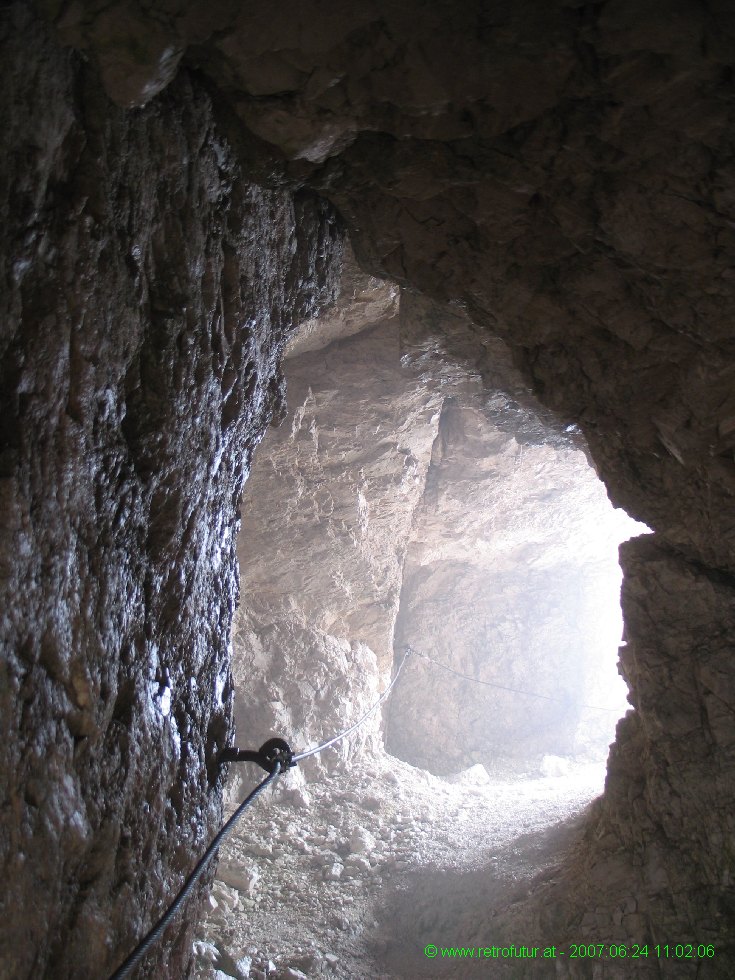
point(275, 750)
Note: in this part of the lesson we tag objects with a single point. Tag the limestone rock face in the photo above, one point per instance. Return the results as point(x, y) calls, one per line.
point(362, 300)
point(511, 572)
point(511, 580)
point(148, 288)
point(325, 530)
point(680, 628)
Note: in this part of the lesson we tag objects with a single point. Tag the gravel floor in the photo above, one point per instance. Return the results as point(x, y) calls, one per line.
point(353, 876)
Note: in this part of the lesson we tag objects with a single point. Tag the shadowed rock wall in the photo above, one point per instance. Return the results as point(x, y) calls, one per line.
point(656, 854)
point(148, 288)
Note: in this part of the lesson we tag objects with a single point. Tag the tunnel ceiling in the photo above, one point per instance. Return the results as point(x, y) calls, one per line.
point(562, 172)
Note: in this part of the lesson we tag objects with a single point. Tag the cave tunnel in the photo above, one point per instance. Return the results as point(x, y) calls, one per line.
point(490, 248)
point(410, 505)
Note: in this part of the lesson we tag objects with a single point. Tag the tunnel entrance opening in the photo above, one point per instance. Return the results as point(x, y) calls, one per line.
point(510, 592)
point(414, 497)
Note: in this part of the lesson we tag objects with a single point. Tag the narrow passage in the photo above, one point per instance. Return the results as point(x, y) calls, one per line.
point(356, 875)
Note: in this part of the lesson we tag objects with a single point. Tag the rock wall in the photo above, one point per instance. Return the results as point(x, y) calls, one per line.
point(325, 529)
point(671, 771)
point(511, 572)
point(148, 289)
point(655, 858)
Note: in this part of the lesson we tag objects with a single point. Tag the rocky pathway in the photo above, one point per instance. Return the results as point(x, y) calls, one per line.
point(355, 875)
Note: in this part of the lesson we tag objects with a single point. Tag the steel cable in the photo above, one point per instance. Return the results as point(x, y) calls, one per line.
point(352, 728)
point(512, 690)
point(154, 935)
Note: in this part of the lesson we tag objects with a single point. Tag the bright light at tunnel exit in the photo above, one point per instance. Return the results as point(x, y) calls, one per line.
point(542, 623)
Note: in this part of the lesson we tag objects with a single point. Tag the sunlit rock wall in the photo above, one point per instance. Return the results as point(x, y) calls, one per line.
point(511, 575)
point(148, 287)
point(325, 529)
point(512, 579)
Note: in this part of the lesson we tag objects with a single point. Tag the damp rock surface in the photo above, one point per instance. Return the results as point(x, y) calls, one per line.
point(149, 287)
